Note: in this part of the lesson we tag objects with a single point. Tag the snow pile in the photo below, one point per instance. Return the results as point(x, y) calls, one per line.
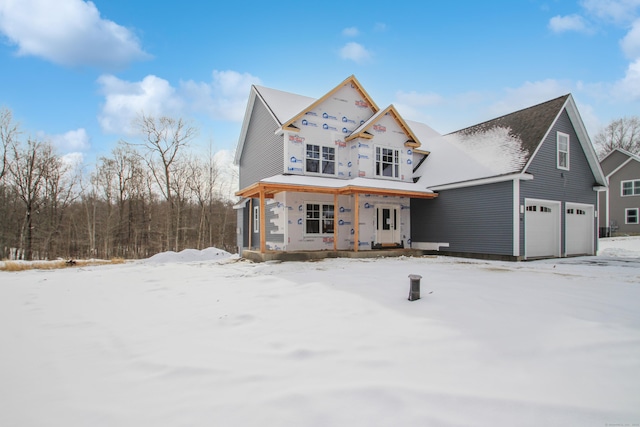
point(189, 255)
point(622, 247)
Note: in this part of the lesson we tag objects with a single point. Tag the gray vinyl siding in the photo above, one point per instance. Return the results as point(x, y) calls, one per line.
point(474, 220)
point(612, 161)
point(618, 204)
point(263, 151)
point(602, 206)
point(550, 183)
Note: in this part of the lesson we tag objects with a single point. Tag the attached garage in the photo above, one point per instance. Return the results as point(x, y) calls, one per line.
point(542, 228)
point(579, 224)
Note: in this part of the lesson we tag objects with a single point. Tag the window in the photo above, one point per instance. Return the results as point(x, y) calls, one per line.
point(256, 219)
point(321, 159)
point(319, 219)
point(631, 188)
point(563, 150)
point(631, 216)
point(387, 162)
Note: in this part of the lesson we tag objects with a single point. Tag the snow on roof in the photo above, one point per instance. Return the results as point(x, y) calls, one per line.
point(423, 132)
point(464, 157)
point(333, 183)
point(283, 105)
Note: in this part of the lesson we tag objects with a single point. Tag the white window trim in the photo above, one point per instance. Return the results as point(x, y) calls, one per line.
point(626, 216)
point(558, 135)
point(320, 173)
point(256, 219)
point(375, 161)
point(632, 188)
point(321, 219)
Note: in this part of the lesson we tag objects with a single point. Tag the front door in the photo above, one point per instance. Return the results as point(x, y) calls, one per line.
point(387, 225)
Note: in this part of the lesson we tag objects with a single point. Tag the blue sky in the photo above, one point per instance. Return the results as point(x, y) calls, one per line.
point(78, 72)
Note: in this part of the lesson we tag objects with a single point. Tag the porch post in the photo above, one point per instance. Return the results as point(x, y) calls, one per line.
point(263, 223)
point(356, 235)
point(250, 231)
point(335, 222)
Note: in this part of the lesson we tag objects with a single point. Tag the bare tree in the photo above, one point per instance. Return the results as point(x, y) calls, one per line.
point(8, 132)
point(164, 138)
point(622, 133)
point(28, 172)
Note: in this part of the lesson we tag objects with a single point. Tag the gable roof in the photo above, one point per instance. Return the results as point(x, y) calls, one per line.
point(281, 105)
point(630, 157)
point(362, 131)
point(529, 125)
point(349, 80)
point(505, 145)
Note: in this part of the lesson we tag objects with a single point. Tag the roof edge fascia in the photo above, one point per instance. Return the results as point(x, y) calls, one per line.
point(483, 181)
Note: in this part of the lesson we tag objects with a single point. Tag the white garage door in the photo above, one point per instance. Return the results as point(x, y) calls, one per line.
point(579, 224)
point(541, 228)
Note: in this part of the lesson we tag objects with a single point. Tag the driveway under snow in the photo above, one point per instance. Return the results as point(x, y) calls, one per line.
point(220, 341)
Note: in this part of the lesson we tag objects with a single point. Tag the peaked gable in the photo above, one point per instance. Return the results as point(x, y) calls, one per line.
point(349, 81)
point(363, 130)
point(616, 159)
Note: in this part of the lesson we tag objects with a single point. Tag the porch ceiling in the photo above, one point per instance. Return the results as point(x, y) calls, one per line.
point(268, 190)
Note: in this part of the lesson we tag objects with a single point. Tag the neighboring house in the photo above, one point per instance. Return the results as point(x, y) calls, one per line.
point(339, 173)
point(620, 203)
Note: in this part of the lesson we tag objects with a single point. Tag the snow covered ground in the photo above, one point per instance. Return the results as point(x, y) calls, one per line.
point(194, 339)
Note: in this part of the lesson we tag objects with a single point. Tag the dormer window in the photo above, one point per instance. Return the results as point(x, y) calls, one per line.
point(387, 162)
point(563, 150)
point(320, 159)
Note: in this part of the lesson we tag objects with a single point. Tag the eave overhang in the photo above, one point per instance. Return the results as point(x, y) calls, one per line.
point(268, 190)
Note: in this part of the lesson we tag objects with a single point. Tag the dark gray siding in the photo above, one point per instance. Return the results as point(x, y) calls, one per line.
point(263, 151)
point(618, 204)
point(255, 237)
point(474, 220)
point(550, 183)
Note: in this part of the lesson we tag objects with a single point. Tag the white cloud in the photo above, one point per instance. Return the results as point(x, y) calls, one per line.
point(350, 32)
point(629, 87)
point(618, 11)
point(73, 160)
point(631, 42)
point(227, 182)
point(125, 101)
point(355, 52)
point(68, 32)
point(224, 98)
point(72, 141)
point(560, 24)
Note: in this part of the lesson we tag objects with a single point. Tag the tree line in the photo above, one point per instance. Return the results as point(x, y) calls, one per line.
point(147, 196)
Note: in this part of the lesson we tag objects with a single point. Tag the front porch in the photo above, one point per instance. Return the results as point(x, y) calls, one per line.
point(338, 217)
point(257, 256)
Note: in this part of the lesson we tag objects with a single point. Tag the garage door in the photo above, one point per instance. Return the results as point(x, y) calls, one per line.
point(541, 228)
point(579, 225)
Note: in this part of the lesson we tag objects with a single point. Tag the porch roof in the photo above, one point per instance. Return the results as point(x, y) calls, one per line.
point(315, 184)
